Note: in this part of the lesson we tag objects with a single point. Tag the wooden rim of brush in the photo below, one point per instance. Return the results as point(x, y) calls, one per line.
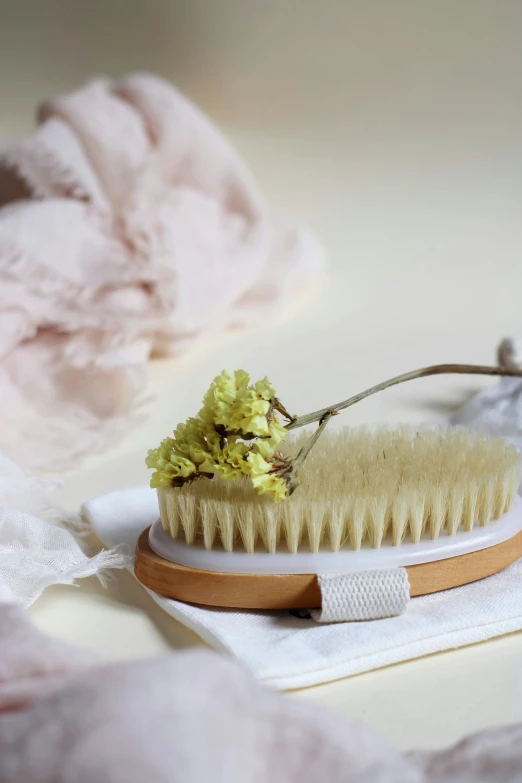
point(301, 591)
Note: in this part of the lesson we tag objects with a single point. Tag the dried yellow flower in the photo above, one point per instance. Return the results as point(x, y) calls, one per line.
point(268, 484)
point(234, 435)
point(169, 464)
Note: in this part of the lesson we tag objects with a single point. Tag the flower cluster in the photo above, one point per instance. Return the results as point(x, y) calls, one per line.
point(235, 434)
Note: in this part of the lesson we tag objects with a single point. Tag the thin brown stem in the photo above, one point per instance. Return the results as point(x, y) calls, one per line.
point(278, 406)
point(295, 465)
point(437, 369)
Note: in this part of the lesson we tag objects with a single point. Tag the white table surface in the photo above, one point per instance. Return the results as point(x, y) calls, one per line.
point(395, 131)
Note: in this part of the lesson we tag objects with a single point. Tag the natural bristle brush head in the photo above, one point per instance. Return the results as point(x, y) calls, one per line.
point(255, 518)
point(357, 487)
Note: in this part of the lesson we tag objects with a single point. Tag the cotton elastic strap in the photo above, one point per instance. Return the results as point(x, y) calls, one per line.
point(368, 595)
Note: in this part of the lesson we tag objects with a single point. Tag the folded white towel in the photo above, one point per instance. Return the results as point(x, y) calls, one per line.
point(287, 652)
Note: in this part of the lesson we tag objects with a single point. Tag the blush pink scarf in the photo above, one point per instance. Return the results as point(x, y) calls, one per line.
point(128, 228)
point(193, 716)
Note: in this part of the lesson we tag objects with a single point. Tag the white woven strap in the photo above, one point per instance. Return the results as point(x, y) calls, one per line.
point(368, 595)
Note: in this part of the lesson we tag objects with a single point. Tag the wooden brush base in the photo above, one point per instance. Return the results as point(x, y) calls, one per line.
point(301, 591)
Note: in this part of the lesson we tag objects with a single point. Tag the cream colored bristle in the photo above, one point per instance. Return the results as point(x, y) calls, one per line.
point(336, 526)
point(188, 516)
point(399, 518)
point(500, 498)
point(437, 513)
point(207, 510)
point(169, 513)
point(358, 487)
point(315, 525)
point(356, 522)
point(456, 497)
point(247, 525)
point(487, 502)
point(292, 514)
point(270, 526)
point(416, 514)
point(471, 499)
point(226, 516)
point(379, 517)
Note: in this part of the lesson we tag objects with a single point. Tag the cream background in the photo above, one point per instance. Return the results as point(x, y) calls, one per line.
point(395, 130)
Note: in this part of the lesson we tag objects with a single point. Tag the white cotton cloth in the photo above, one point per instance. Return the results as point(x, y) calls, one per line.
point(285, 651)
point(34, 551)
point(497, 410)
point(35, 554)
point(368, 595)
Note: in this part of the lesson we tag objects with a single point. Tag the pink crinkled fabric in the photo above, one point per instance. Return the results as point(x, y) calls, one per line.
point(129, 227)
point(188, 717)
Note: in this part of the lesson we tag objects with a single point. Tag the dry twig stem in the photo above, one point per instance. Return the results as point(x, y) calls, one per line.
point(292, 481)
point(325, 414)
point(436, 369)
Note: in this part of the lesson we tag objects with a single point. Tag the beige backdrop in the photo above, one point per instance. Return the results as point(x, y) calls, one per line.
point(375, 65)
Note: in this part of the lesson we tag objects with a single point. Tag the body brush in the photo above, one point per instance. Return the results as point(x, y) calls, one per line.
point(250, 513)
